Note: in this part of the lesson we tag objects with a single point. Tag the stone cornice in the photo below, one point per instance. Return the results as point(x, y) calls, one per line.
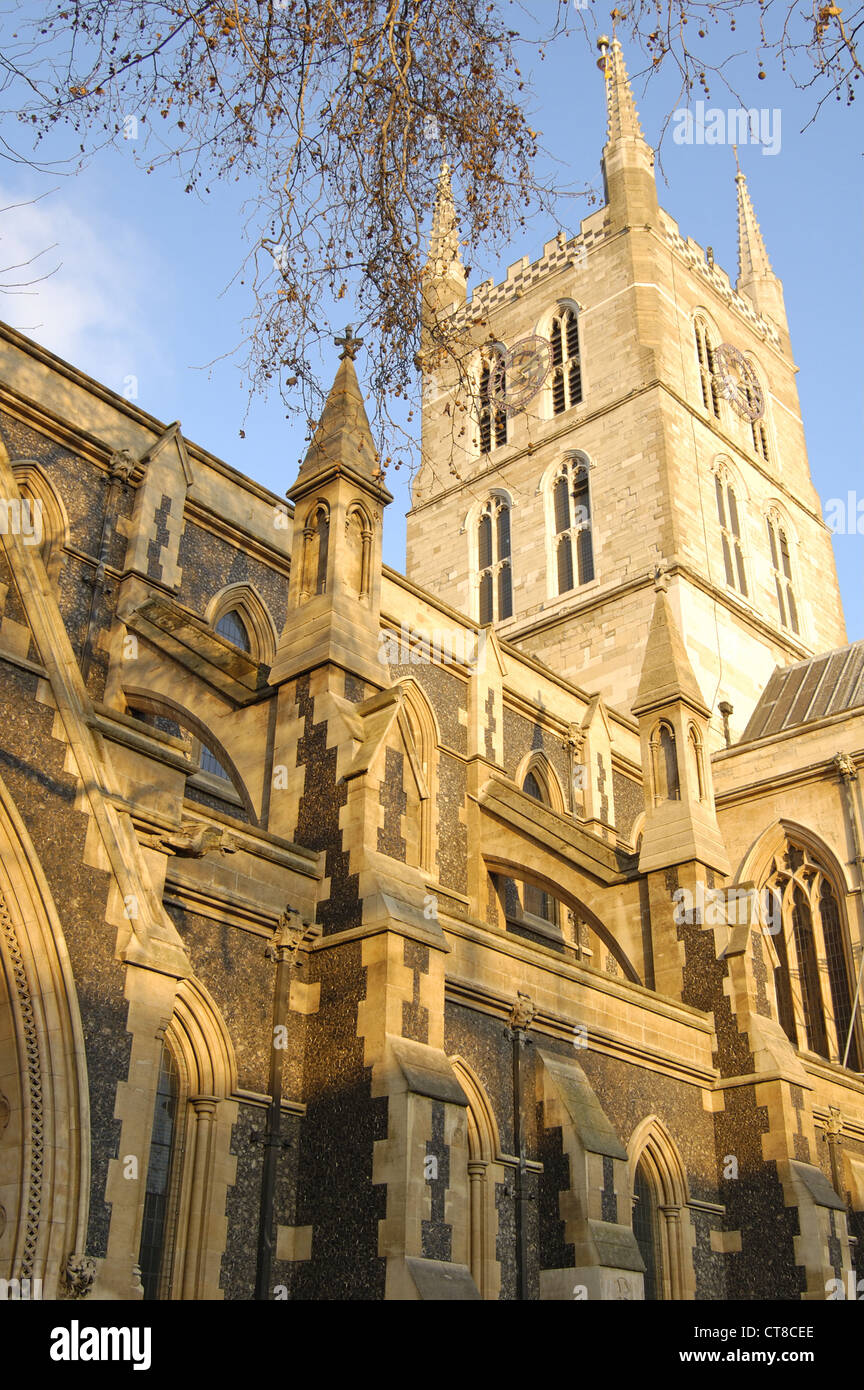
point(823, 770)
point(744, 612)
point(603, 1041)
point(558, 833)
point(38, 411)
point(578, 417)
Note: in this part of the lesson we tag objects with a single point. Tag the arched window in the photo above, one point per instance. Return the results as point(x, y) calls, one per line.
point(423, 730)
point(231, 625)
point(211, 783)
point(781, 565)
point(566, 361)
point(189, 1169)
point(532, 787)
point(812, 979)
point(705, 358)
point(358, 551)
point(492, 418)
point(211, 775)
point(42, 516)
point(697, 763)
point(646, 1229)
point(664, 764)
point(535, 900)
point(159, 1171)
point(316, 544)
point(661, 1217)
point(574, 547)
point(494, 571)
point(210, 763)
point(730, 533)
point(476, 1174)
point(239, 613)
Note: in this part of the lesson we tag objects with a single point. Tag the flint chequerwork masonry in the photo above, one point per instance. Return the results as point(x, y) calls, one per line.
point(566, 909)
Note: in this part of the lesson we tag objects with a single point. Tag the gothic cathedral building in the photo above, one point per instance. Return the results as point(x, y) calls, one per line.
point(489, 932)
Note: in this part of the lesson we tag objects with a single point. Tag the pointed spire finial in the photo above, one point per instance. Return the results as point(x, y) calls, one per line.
point(342, 436)
point(444, 240)
point(349, 344)
point(753, 262)
point(623, 118)
point(756, 278)
point(444, 274)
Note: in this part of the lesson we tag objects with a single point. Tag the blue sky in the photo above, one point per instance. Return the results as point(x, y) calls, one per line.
point(143, 287)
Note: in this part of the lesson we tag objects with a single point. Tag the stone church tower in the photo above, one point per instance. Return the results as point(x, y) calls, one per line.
point(368, 937)
point(550, 517)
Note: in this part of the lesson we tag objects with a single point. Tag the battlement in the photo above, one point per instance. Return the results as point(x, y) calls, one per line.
point(524, 274)
point(559, 253)
point(696, 258)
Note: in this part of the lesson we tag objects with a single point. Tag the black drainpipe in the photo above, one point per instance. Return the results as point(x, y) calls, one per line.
point(291, 933)
point(520, 1020)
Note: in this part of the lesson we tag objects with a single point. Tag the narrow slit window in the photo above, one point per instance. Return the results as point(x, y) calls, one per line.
point(491, 417)
point(157, 1187)
point(535, 900)
point(757, 428)
point(322, 526)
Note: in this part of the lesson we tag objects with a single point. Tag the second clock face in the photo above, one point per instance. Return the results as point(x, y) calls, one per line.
point(520, 373)
point(738, 382)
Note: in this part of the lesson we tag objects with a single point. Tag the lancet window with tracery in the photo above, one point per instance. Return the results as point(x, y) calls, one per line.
point(813, 980)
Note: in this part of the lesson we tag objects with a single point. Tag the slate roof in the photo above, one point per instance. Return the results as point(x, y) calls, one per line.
point(832, 683)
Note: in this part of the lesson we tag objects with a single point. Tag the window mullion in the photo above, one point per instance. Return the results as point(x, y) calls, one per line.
point(795, 968)
point(835, 1048)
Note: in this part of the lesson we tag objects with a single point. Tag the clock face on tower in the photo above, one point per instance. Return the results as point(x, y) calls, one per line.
point(738, 382)
point(519, 374)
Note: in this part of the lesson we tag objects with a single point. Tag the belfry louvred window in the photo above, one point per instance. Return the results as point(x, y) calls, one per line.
point(491, 417)
point(494, 570)
point(566, 361)
point(571, 506)
point(705, 358)
point(757, 427)
point(803, 915)
point(730, 534)
point(781, 564)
